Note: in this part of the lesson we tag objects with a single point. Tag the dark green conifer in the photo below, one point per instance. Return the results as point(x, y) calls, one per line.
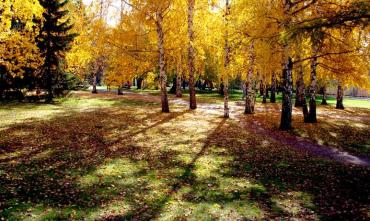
point(54, 40)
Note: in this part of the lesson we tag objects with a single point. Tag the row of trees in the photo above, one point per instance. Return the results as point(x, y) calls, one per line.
point(256, 40)
point(305, 40)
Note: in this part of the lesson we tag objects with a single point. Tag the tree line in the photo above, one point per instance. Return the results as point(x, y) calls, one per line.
point(300, 43)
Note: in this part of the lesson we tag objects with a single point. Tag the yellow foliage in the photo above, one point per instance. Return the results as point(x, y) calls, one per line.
point(18, 49)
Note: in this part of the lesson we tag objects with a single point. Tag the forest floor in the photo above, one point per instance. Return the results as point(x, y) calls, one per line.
point(110, 157)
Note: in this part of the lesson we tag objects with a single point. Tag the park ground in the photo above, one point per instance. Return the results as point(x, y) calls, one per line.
point(110, 157)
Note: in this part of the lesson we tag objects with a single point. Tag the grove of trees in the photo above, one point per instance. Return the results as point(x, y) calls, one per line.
point(298, 45)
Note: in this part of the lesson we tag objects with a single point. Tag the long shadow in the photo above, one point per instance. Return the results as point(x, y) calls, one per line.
point(339, 192)
point(166, 119)
point(68, 147)
point(76, 147)
point(187, 178)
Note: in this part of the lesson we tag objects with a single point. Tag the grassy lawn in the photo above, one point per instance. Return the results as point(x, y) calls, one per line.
point(236, 95)
point(108, 157)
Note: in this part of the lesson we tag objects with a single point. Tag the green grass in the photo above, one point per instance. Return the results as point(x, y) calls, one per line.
point(88, 157)
point(236, 95)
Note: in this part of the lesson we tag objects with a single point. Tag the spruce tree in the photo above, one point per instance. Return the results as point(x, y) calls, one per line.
point(54, 40)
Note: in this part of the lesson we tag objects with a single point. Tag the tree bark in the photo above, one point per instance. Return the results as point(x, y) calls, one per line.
point(226, 99)
point(191, 55)
point(273, 88)
point(340, 98)
point(305, 108)
point(312, 111)
point(178, 85)
point(300, 89)
point(264, 92)
point(251, 93)
point(287, 106)
point(95, 81)
point(178, 78)
point(227, 61)
point(119, 91)
point(324, 96)
point(261, 88)
point(162, 71)
point(139, 83)
point(286, 112)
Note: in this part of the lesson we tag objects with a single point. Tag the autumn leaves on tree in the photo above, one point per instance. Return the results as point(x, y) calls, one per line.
point(297, 47)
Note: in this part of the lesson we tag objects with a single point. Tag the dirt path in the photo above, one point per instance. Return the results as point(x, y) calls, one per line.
point(303, 145)
point(297, 143)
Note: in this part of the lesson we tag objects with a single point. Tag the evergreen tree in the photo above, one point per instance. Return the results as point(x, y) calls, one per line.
point(54, 40)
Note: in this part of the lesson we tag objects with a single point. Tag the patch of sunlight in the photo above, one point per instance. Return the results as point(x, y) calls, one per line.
point(239, 185)
point(120, 170)
point(28, 212)
point(219, 150)
point(320, 142)
point(301, 133)
point(115, 207)
point(359, 125)
point(185, 158)
point(283, 164)
point(19, 112)
point(333, 134)
point(210, 165)
point(295, 203)
point(41, 213)
point(158, 189)
point(175, 171)
point(265, 143)
point(13, 154)
point(235, 210)
point(86, 103)
point(13, 116)
point(19, 133)
point(42, 155)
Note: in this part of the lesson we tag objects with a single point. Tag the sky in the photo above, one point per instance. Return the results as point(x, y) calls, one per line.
point(113, 10)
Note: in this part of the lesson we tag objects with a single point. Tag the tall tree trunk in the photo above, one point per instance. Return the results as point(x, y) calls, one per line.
point(139, 83)
point(340, 97)
point(119, 90)
point(261, 87)
point(312, 111)
point(2, 82)
point(128, 85)
point(286, 112)
point(264, 92)
point(178, 78)
point(95, 82)
point(301, 95)
point(178, 85)
point(273, 88)
point(324, 96)
point(49, 84)
point(300, 89)
point(227, 62)
point(226, 99)
point(305, 108)
point(162, 71)
point(251, 93)
point(287, 105)
point(191, 55)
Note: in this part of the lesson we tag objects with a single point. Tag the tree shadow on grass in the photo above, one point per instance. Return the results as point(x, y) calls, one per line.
point(42, 162)
point(298, 184)
point(82, 172)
